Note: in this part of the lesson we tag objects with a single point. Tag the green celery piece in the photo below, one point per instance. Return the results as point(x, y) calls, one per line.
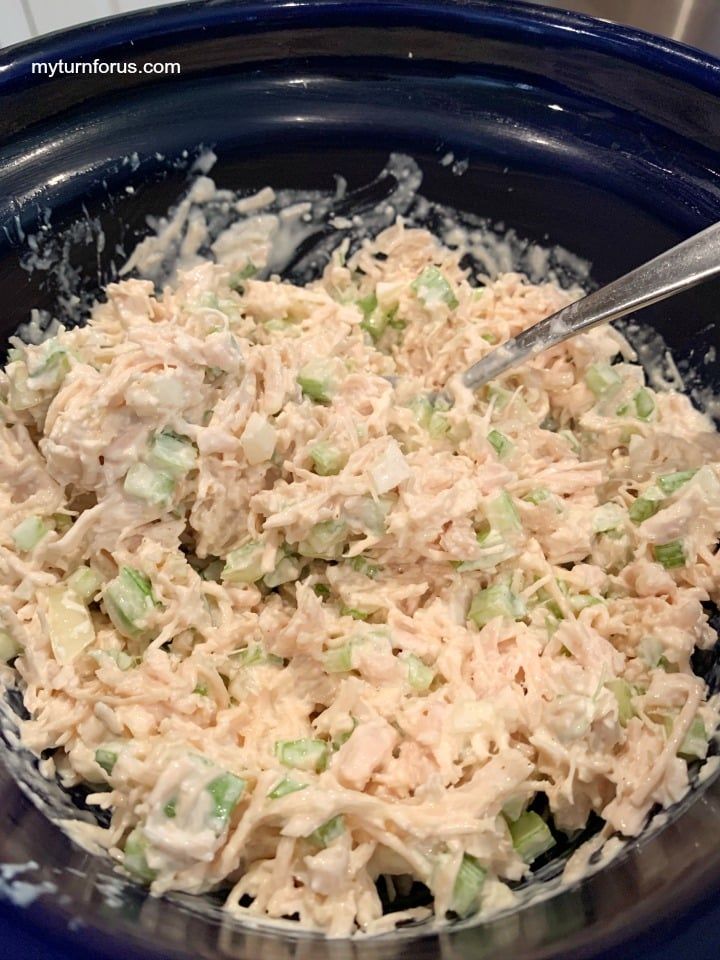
point(284, 788)
point(173, 455)
point(236, 279)
point(244, 565)
point(287, 570)
point(145, 483)
point(423, 410)
point(420, 676)
point(432, 287)
point(670, 555)
point(495, 601)
point(375, 320)
point(354, 612)
point(669, 483)
point(316, 381)
point(226, 791)
point(129, 599)
point(503, 516)
point(438, 426)
point(536, 497)
point(327, 832)
point(644, 404)
point(361, 564)
point(321, 590)
point(623, 693)
point(338, 659)
point(327, 459)
point(106, 759)
point(468, 886)
point(695, 742)
point(84, 583)
point(602, 379)
point(29, 532)
point(325, 541)
point(201, 689)
point(135, 856)
point(170, 809)
point(500, 443)
point(303, 754)
point(642, 509)
point(531, 836)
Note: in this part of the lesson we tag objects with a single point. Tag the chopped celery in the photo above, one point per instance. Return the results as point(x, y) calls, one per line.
point(623, 693)
point(571, 440)
point(254, 654)
point(170, 809)
point(304, 754)
point(514, 807)
point(325, 541)
point(602, 379)
point(70, 625)
point(495, 601)
point(643, 508)
point(49, 364)
point(128, 601)
point(607, 517)
point(495, 549)
point(225, 790)
point(316, 381)
point(500, 443)
point(468, 886)
point(62, 522)
point(432, 288)
point(284, 788)
point(422, 409)
point(438, 426)
point(669, 483)
point(488, 337)
point(172, 455)
point(536, 497)
point(367, 304)
point(531, 836)
point(29, 532)
point(286, 571)
point(500, 395)
point(321, 590)
point(201, 689)
point(327, 459)
point(85, 583)
point(695, 742)
point(644, 404)
point(135, 856)
point(362, 565)
point(327, 832)
point(502, 515)
point(354, 612)
point(106, 759)
point(582, 600)
point(338, 659)
point(420, 676)
point(9, 649)
point(244, 565)
point(145, 483)
point(670, 555)
point(375, 320)
point(237, 278)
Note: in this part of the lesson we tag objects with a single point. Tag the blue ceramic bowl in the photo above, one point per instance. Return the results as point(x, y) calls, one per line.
point(576, 132)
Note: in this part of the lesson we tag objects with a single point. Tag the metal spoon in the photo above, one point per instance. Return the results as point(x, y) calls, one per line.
point(689, 263)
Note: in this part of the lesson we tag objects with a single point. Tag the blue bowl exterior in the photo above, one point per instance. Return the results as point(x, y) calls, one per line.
point(593, 136)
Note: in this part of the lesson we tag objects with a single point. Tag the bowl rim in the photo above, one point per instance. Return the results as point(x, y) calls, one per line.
point(641, 47)
point(661, 56)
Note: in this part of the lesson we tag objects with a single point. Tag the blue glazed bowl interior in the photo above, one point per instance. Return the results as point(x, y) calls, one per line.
point(575, 133)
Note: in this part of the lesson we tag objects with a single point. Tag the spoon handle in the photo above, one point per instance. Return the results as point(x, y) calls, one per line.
point(689, 263)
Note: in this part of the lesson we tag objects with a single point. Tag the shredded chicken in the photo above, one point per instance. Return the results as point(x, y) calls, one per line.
point(305, 628)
